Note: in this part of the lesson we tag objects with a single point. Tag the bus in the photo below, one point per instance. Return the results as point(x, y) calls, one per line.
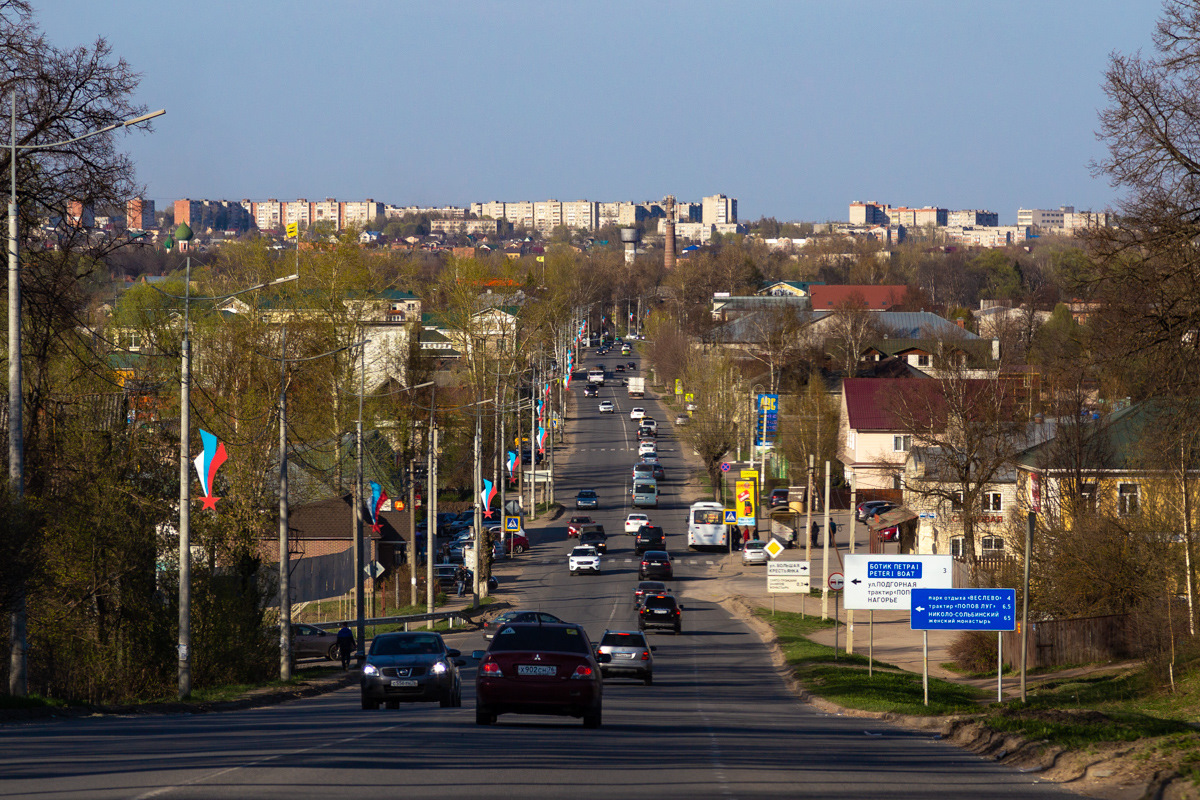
point(706, 525)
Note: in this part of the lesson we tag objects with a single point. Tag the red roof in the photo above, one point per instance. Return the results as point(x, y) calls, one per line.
point(867, 407)
point(877, 298)
point(894, 404)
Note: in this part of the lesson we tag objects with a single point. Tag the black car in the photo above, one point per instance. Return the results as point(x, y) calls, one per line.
point(595, 538)
point(410, 667)
point(660, 611)
point(491, 626)
point(632, 366)
point(779, 498)
point(647, 432)
point(656, 564)
point(649, 537)
point(646, 588)
point(591, 390)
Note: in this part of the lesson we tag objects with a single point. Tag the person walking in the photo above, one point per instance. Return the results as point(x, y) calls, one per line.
point(832, 533)
point(813, 534)
point(345, 643)
point(460, 580)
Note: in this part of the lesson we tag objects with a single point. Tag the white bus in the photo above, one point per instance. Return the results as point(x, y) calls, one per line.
point(706, 525)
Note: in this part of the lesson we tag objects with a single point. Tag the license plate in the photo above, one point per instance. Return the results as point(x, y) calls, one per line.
point(625, 655)
point(659, 610)
point(535, 669)
point(404, 683)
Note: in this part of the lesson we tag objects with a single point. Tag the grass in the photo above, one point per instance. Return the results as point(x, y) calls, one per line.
point(8, 702)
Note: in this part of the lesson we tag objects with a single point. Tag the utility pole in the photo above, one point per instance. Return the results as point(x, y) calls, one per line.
point(285, 566)
point(825, 567)
point(431, 504)
point(412, 531)
point(479, 537)
point(359, 565)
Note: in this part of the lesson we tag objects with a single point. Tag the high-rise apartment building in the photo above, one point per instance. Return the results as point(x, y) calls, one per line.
point(972, 218)
point(869, 213)
point(139, 214)
point(584, 214)
point(718, 210)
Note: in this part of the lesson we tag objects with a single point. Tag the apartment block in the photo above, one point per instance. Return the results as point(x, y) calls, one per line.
point(1065, 219)
point(718, 209)
point(212, 215)
point(972, 218)
point(441, 212)
point(298, 211)
point(475, 227)
point(359, 213)
point(267, 215)
point(927, 216)
point(869, 213)
point(547, 215)
point(990, 236)
point(139, 214)
point(583, 214)
point(327, 211)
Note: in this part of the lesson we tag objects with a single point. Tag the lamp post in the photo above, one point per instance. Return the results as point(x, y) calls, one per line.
point(183, 233)
point(17, 676)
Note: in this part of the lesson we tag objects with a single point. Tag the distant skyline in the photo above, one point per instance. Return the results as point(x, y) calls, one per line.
point(794, 108)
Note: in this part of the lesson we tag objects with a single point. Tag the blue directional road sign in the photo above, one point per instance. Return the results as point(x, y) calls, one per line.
point(963, 610)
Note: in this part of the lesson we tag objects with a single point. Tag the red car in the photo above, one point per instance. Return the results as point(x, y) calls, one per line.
point(575, 526)
point(513, 542)
point(540, 669)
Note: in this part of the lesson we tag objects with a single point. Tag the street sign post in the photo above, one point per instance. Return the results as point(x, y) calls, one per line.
point(965, 610)
point(724, 466)
point(879, 581)
point(787, 577)
point(774, 548)
point(512, 524)
point(836, 581)
point(730, 517)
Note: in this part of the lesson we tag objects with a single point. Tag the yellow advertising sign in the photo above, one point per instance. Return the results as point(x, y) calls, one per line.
point(678, 386)
point(293, 230)
point(747, 503)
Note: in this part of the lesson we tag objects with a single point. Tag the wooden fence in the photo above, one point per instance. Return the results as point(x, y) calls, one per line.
point(1060, 642)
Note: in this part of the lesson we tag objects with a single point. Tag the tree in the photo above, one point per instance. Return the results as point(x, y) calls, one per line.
point(712, 432)
point(773, 335)
point(852, 327)
point(809, 425)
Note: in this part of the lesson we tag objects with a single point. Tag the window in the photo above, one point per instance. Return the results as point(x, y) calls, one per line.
point(901, 443)
point(992, 545)
point(1087, 496)
point(922, 359)
point(956, 546)
point(1127, 499)
point(956, 502)
point(991, 501)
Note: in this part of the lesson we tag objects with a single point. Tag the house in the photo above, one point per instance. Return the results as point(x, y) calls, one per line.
point(940, 519)
point(788, 288)
point(873, 447)
point(875, 298)
point(964, 350)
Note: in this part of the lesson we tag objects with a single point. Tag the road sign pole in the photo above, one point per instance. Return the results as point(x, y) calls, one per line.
point(871, 644)
point(999, 667)
point(825, 566)
point(925, 659)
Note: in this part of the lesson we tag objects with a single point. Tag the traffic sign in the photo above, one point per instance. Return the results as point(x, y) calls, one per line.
point(730, 517)
point(787, 576)
point(774, 548)
point(883, 582)
point(374, 569)
point(512, 524)
point(963, 610)
point(724, 466)
point(836, 581)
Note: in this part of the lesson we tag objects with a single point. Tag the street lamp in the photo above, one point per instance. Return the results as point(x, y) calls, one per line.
point(184, 234)
point(17, 677)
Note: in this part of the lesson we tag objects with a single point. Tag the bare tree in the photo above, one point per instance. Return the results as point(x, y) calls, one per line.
point(712, 432)
point(852, 326)
point(773, 337)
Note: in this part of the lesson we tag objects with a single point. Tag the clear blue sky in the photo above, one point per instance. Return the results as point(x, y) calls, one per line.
point(794, 108)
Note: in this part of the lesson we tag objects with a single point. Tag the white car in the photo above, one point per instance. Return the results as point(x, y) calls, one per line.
point(753, 552)
point(584, 558)
point(635, 521)
point(647, 448)
point(607, 407)
point(637, 413)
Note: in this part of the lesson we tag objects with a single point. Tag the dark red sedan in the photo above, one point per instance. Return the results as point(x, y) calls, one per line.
point(575, 526)
point(540, 669)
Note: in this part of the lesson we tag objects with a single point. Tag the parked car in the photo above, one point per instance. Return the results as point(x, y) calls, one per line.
point(607, 407)
point(753, 552)
point(645, 589)
point(655, 564)
point(872, 507)
point(309, 641)
point(586, 498)
point(512, 543)
point(540, 669)
point(635, 521)
point(576, 524)
point(649, 537)
point(660, 611)
point(514, 615)
point(630, 654)
point(410, 667)
point(779, 497)
point(584, 559)
point(681, 419)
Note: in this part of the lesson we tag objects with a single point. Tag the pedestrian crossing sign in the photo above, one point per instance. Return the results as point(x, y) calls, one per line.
point(512, 524)
point(730, 516)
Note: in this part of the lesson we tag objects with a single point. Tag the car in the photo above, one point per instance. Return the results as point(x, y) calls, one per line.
point(753, 552)
point(309, 641)
point(660, 611)
point(691, 407)
point(586, 498)
point(632, 366)
point(650, 537)
point(515, 615)
point(655, 564)
point(659, 473)
point(642, 470)
point(646, 588)
point(645, 433)
point(650, 423)
point(630, 655)
point(635, 521)
point(619, 368)
point(540, 669)
point(513, 543)
point(779, 498)
point(410, 667)
point(637, 413)
point(584, 559)
point(576, 524)
point(607, 407)
point(647, 447)
point(681, 419)
point(870, 508)
point(591, 390)
point(592, 537)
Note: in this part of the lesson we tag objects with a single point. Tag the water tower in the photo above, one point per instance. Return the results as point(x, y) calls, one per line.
point(630, 237)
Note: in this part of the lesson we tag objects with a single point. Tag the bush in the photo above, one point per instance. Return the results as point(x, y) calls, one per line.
point(974, 651)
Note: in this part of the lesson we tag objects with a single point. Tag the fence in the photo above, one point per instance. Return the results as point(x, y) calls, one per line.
point(1071, 641)
point(318, 577)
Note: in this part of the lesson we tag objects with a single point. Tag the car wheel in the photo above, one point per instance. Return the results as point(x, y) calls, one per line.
point(649, 679)
point(370, 705)
point(447, 699)
point(483, 716)
point(520, 549)
point(591, 719)
point(393, 705)
point(458, 697)
point(677, 630)
point(332, 653)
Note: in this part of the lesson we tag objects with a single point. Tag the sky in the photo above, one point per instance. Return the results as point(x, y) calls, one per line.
point(795, 108)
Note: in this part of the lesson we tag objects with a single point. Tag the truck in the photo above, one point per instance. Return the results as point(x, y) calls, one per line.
point(637, 387)
point(595, 376)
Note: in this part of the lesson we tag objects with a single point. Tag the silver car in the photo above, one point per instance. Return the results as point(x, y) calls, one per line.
point(631, 655)
point(754, 552)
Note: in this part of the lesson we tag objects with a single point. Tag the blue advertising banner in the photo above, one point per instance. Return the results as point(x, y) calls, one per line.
point(768, 420)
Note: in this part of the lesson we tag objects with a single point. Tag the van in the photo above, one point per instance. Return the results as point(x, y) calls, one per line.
point(643, 471)
point(645, 493)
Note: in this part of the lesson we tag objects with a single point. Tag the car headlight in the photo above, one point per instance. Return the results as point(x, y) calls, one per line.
point(371, 670)
point(439, 668)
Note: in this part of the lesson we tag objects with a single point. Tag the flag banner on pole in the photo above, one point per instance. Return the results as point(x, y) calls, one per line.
point(378, 498)
point(207, 464)
point(486, 497)
point(541, 439)
point(512, 466)
point(541, 259)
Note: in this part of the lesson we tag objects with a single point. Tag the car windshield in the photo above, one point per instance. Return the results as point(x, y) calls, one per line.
point(587, 493)
point(406, 645)
point(583, 551)
point(547, 637)
point(623, 639)
point(652, 586)
point(754, 545)
point(660, 602)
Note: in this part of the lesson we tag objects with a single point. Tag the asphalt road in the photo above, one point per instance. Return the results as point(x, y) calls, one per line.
point(717, 723)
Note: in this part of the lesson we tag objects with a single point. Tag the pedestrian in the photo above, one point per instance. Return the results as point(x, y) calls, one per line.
point(832, 532)
point(814, 534)
point(745, 536)
point(345, 643)
point(460, 580)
